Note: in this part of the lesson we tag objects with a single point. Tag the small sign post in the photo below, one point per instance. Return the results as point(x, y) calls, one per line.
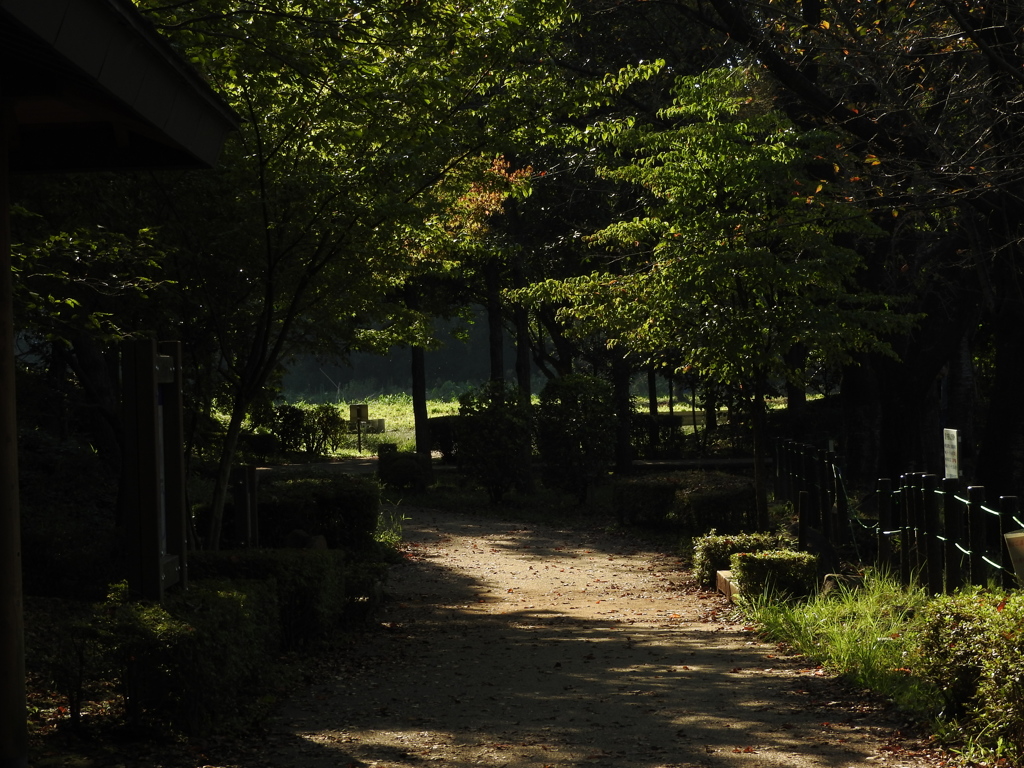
point(951, 455)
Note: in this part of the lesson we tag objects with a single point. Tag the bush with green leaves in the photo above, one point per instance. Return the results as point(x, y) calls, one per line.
point(712, 553)
point(200, 661)
point(324, 429)
point(999, 711)
point(775, 573)
point(495, 437)
point(289, 425)
point(404, 469)
point(971, 646)
point(952, 652)
point(342, 508)
point(692, 501)
point(310, 585)
point(317, 429)
point(576, 432)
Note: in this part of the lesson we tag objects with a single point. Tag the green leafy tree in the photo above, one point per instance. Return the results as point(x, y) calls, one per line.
point(77, 294)
point(743, 252)
point(351, 117)
point(928, 96)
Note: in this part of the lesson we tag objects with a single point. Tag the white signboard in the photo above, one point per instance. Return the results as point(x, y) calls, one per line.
point(952, 459)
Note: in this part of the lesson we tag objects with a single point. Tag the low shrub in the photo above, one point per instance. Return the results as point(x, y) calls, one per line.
point(494, 438)
point(405, 469)
point(342, 508)
point(443, 431)
point(998, 713)
point(197, 663)
point(694, 502)
point(951, 653)
point(971, 644)
point(575, 422)
point(319, 429)
point(310, 586)
point(645, 498)
point(711, 553)
point(775, 573)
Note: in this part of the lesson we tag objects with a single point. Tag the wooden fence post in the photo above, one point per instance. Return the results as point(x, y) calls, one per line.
point(839, 494)
point(933, 544)
point(821, 493)
point(803, 508)
point(813, 515)
point(953, 527)
point(1007, 512)
point(884, 490)
point(976, 533)
point(901, 523)
point(781, 492)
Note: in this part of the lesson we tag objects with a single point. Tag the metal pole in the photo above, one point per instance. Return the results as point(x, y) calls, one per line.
point(13, 724)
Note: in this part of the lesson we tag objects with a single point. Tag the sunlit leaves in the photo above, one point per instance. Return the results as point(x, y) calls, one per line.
point(744, 251)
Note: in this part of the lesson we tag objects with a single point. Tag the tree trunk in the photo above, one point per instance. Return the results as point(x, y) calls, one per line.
point(421, 426)
point(796, 392)
point(759, 419)
point(621, 375)
point(495, 329)
point(862, 423)
point(1001, 457)
point(222, 484)
point(652, 408)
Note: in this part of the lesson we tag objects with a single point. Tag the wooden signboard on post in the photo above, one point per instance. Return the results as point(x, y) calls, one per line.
point(153, 510)
point(951, 454)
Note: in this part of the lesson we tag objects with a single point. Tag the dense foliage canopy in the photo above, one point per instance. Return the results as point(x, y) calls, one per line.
point(752, 193)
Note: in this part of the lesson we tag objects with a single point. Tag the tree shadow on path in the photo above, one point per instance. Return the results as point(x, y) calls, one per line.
point(470, 665)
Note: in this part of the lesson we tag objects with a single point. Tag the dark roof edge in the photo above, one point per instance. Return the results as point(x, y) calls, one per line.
point(130, 13)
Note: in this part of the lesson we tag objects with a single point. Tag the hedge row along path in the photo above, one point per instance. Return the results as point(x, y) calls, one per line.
point(523, 646)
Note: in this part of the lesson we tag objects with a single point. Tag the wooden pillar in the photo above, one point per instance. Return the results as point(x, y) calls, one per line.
point(953, 527)
point(934, 555)
point(153, 511)
point(13, 724)
point(976, 532)
point(1008, 509)
point(174, 563)
point(885, 524)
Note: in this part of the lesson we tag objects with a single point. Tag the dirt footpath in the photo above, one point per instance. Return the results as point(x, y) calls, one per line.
point(528, 647)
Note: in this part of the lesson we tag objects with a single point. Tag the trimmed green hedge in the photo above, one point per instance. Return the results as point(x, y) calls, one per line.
point(199, 662)
point(711, 553)
point(693, 501)
point(310, 585)
point(972, 644)
point(204, 659)
point(779, 573)
point(405, 469)
point(343, 508)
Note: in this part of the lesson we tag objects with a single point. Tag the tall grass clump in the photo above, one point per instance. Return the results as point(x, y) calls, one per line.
point(868, 634)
